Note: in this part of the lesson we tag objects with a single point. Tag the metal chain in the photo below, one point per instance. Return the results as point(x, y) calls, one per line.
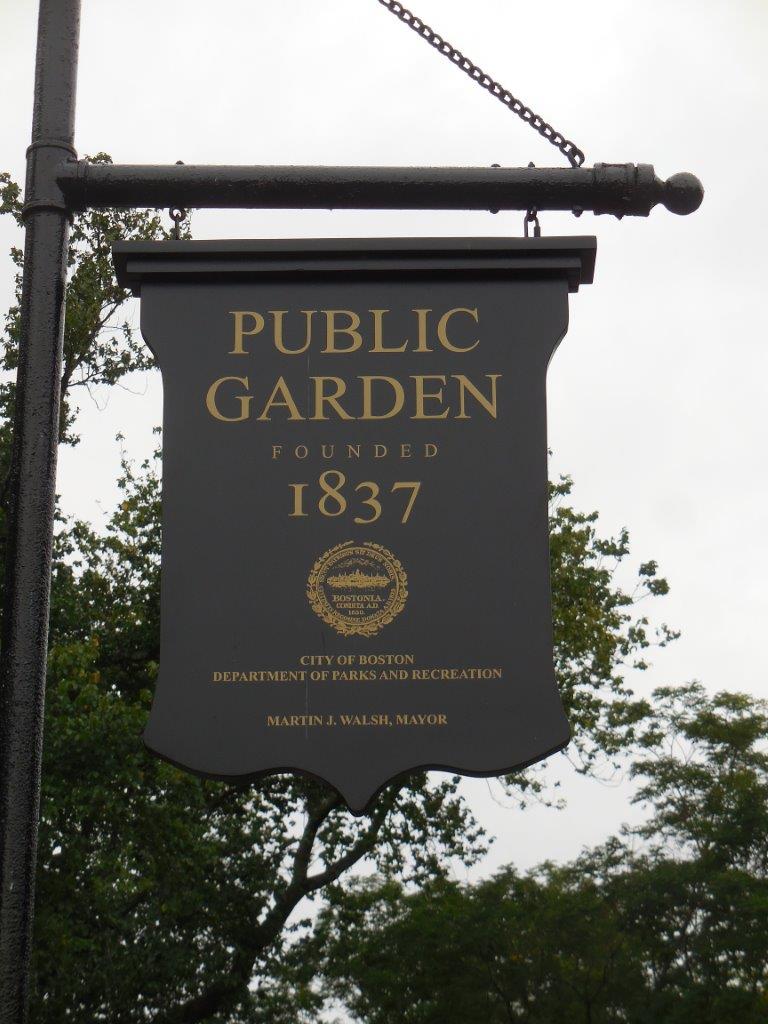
point(569, 149)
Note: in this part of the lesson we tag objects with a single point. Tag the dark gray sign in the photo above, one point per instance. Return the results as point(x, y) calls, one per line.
point(355, 577)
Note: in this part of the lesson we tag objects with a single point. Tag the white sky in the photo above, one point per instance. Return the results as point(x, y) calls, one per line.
point(656, 396)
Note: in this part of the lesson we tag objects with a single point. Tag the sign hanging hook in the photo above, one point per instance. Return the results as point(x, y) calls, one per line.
point(532, 217)
point(177, 215)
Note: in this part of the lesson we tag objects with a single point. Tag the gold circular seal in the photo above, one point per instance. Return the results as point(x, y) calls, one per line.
point(357, 588)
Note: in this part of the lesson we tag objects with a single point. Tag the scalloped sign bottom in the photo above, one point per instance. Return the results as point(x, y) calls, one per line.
point(355, 567)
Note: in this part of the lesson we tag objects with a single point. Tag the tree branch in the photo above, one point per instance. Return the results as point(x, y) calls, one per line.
point(224, 993)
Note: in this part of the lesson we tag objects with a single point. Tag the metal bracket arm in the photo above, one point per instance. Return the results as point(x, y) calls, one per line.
point(618, 189)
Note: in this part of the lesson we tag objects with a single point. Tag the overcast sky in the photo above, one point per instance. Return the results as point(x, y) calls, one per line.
point(657, 395)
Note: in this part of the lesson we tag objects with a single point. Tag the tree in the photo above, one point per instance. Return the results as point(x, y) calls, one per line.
point(701, 911)
point(100, 349)
point(541, 947)
point(674, 932)
point(168, 898)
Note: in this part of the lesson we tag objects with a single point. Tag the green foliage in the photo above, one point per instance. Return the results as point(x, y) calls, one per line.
point(673, 931)
point(100, 347)
point(171, 892)
point(598, 635)
point(167, 898)
point(205, 876)
point(704, 770)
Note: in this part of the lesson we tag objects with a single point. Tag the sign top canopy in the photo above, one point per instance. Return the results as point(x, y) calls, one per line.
point(572, 258)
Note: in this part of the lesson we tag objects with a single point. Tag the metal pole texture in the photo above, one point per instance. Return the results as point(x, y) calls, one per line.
point(32, 494)
point(618, 189)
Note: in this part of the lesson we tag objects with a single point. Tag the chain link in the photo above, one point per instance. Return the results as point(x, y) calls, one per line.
point(569, 149)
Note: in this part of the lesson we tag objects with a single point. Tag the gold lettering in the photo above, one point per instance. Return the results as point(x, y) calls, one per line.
point(331, 330)
point(240, 331)
point(378, 340)
point(277, 316)
point(421, 319)
point(321, 398)
point(489, 404)
point(281, 388)
point(399, 398)
point(244, 400)
point(442, 329)
point(422, 396)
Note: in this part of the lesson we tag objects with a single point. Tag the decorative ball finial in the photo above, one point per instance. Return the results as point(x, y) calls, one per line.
point(683, 193)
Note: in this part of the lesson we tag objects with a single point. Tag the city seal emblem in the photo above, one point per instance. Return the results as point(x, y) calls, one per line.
point(357, 588)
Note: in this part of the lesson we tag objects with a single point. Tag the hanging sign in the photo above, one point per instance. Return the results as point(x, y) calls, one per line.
point(355, 568)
